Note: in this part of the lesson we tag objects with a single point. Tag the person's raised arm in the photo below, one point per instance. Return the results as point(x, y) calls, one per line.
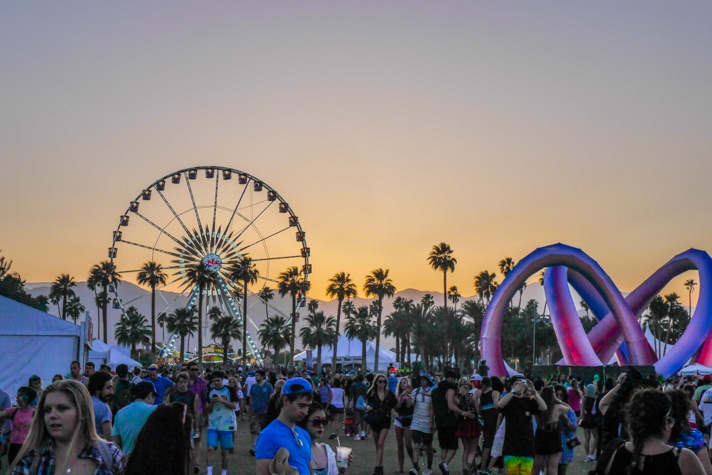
point(606, 400)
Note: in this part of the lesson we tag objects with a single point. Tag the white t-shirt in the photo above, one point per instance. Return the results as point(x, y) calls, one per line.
point(337, 397)
point(422, 410)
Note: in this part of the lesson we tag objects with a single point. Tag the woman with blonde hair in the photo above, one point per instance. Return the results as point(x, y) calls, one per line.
point(404, 410)
point(63, 438)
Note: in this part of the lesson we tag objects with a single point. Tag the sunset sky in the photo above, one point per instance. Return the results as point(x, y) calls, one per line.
point(389, 127)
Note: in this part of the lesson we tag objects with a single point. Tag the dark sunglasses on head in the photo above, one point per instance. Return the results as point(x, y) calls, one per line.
point(319, 422)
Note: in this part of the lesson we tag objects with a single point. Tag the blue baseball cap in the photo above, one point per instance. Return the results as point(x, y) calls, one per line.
point(297, 386)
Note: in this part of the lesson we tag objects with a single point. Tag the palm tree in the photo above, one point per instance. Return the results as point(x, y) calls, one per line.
point(246, 272)
point(541, 282)
point(485, 285)
point(161, 319)
point(440, 258)
point(275, 333)
point(266, 294)
point(673, 302)
point(342, 288)
point(61, 291)
point(200, 277)
point(658, 310)
point(427, 301)
point(102, 275)
point(43, 302)
point(291, 283)
point(183, 322)
point(585, 307)
point(75, 308)
point(214, 313)
point(318, 332)
point(132, 329)
point(359, 325)
point(506, 265)
point(453, 294)
point(690, 286)
point(151, 275)
point(223, 329)
point(378, 285)
point(475, 311)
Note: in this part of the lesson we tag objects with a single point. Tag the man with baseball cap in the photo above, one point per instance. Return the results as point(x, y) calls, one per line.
point(159, 382)
point(131, 419)
point(297, 394)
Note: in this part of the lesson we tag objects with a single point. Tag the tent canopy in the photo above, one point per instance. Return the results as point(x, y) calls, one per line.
point(349, 351)
point(111, 355)
point(34, 342)
point(695, 370)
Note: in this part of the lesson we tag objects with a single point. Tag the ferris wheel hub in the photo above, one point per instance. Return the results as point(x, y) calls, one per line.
point(212, 262)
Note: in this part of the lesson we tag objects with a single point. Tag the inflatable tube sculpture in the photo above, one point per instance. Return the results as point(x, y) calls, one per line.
point(618, 331)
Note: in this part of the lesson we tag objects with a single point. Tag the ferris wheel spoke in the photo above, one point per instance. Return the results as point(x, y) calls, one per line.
point(237, 206)
point(175, 215)
point(265, 238)
point(252, 222)
point(195, 207)
point(276, 258)
point(156, 226)
point(151, 248)
point(215, 205)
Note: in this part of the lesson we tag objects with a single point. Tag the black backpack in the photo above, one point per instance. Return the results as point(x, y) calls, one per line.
point(122, 396)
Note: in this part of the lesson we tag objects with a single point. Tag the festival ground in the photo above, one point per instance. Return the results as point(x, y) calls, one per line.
point(242, 463)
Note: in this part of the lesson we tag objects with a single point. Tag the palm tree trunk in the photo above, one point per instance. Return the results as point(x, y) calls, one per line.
point(336, 342)
point(105, 304)
point(153, 320)
point(378, 335)
point(200, 328)
point(226, 343)
point(363, 355)
point(244, 324)
point(445, 290)
point(182, 349)
point(318, 359)
point(64, 307)
point(294, 330)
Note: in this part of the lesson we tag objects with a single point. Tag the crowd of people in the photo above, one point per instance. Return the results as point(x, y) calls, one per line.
point(155, 421)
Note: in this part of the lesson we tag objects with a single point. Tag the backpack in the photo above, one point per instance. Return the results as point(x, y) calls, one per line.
point(122, 396)
point(361, 403)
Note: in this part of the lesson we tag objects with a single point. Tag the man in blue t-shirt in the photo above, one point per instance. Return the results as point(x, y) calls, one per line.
point(159, 382)
point(296, 397)
point(260, 393)
point(130, 420)
point(101, 389)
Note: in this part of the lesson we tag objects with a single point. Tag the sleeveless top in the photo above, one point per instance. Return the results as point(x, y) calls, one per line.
point(337, 398)
point(660, 464)
point(486, 401)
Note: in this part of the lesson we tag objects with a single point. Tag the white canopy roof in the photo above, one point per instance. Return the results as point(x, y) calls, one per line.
point(111, 355)
point(348, 351)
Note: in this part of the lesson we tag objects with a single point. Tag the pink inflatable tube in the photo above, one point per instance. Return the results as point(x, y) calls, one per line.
point(606, 336)
point(560, 255)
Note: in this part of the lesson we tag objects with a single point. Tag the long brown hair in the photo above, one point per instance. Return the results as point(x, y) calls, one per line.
point(373, 390)
point(86, 431)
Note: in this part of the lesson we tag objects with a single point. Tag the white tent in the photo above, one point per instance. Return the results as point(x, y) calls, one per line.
point(111, 355)
point(34, 342)
point(695, 370)
point(349, 351)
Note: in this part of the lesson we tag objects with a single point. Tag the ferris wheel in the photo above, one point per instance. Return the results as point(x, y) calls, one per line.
point(214, 216)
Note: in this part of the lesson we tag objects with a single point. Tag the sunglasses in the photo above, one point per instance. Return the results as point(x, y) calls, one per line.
point(319, 422)
point(300, 444)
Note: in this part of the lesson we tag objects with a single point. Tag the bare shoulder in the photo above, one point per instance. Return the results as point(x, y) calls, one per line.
point(689, 463)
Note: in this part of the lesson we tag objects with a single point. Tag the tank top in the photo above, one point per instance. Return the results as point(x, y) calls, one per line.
point(421, 410)
point(486, 401)
point(660, 464)
point(337, 397)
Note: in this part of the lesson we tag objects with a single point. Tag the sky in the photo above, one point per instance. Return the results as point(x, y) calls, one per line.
point(389, 127)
